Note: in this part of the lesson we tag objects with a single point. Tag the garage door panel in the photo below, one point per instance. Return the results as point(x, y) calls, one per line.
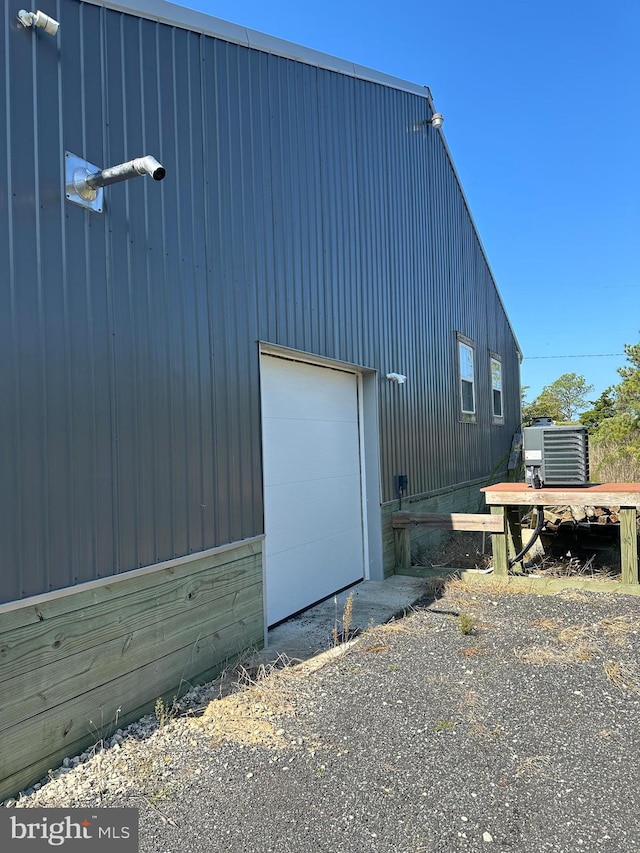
point(302, 576)
point(332, 508)
point(287, 383)
point(312, 484)
point(310, 450)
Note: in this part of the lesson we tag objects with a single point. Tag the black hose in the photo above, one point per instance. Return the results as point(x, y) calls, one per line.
point(536, 533)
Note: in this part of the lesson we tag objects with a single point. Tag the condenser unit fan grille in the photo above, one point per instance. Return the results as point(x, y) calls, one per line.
point(566, 457)
point(556, 455)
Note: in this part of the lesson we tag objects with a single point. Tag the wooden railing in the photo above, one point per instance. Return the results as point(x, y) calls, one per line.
point(403, 522)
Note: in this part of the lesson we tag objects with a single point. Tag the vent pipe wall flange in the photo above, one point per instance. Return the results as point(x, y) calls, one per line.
point(84, 182)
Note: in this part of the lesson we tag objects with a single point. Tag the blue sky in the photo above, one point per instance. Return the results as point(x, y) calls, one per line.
point(542, 115)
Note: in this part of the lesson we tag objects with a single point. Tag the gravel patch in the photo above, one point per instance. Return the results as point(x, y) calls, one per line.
point(515, 727)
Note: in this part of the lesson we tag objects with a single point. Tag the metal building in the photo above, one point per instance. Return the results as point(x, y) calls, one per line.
point(211, 384)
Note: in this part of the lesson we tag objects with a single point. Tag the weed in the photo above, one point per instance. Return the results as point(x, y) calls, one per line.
point(546, 624)
point(467, 624)
point(617, 626)
point(575, 595)
point(346, 617)
point(342, 636)
point(161, 712)
point(623, 675)
point(481, 729)
point(573, 634)
point(249, 673)
point(378, 648)
point(488, 588)
point(441, 681)
point(394, 627)
point(545, 656)
point(444, 726)
point(473, 651)
point(584, 653)
point(160, 794)
point(96, 752)
point(248, 715)
point(533, 765)
point(103, 732)
point(153, 804)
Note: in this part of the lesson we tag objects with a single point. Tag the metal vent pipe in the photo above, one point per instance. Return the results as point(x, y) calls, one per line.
point(114, 174)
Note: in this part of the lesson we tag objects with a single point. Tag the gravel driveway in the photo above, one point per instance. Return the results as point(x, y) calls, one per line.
point(521, 734)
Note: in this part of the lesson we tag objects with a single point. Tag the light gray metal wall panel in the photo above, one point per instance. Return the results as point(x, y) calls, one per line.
point(301, 207)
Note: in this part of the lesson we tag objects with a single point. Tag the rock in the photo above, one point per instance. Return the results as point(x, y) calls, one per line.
point(487, 837)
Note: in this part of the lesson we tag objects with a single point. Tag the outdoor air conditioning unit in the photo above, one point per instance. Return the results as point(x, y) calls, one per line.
point(555, 455)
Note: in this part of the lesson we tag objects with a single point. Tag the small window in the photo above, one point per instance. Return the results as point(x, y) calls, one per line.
point(496, 388)
point(466, 368)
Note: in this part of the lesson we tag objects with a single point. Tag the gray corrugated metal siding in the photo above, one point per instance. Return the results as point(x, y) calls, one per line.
point(300, 207)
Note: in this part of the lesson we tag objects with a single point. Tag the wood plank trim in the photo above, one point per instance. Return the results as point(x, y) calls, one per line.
point(30, 647)
point(605, 494)
point(30, 692)
point(499, 541)
point(629, 545)
point(30, 611)
point(402, 545)
point(447, 521)
point(96, 714)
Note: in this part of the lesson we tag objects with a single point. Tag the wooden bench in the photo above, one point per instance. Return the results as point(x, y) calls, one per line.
point(403, 522)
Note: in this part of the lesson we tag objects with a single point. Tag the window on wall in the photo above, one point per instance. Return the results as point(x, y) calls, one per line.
point(466, 372)
point(496, 388)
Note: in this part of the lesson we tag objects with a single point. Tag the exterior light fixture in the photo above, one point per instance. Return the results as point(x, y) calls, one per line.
point(38, 19)
point(436, 121)
point(396, 377)
point(84, 182)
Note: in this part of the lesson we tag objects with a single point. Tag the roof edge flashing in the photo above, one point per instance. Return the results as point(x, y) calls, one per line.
point(171, 14)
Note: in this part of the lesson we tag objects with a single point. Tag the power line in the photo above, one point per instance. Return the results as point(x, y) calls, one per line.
point(599, 330)
point(590, 355)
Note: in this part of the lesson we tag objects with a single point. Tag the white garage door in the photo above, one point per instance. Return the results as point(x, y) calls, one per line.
point(312, 484)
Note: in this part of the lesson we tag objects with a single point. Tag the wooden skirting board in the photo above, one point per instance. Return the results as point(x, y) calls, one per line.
point(76, 666)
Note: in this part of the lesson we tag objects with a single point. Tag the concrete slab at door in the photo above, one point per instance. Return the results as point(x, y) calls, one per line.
point(312, 483)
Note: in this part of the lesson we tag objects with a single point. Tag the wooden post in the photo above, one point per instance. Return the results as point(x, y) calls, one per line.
point(500, 562)
point(514, 531)
point(402, 543)
point(628, 545)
